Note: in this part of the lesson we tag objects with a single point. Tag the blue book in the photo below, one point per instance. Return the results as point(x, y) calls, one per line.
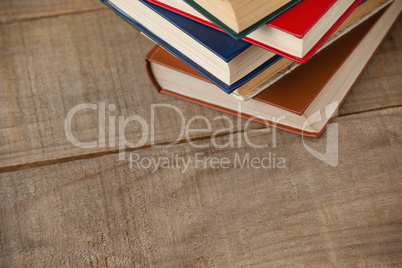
point(224, 47)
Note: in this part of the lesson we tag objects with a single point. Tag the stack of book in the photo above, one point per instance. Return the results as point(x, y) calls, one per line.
point(284, 63)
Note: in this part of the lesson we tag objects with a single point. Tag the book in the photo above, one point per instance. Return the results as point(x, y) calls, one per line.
point(305, 100)
point(295, 34)
point(226, 62)
point(242, 88)
point(267, 78)
point(239, 18)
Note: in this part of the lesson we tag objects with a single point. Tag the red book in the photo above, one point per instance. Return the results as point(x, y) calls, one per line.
point(296, 34)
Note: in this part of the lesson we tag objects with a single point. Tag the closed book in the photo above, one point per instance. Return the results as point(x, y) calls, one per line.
point(285, 66)
point(207, 40)
point(240, 31)
point(305, 101)
point(227, 63)
point(295, 34)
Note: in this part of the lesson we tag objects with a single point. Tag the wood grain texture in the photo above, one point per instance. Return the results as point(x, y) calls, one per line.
point(102, 213)
point(12, 11)
point(62, 206)
point(49, 66)
point(381, 83)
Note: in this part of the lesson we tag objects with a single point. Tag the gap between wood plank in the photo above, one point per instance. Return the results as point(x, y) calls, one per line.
point(42, 163)
point(67, 159)
point(370, 110)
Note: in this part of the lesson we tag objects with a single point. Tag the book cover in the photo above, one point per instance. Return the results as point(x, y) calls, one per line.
point(296, 21)
point(301, 31)
point(250, 29)
point(227, 48)
point(218, 42)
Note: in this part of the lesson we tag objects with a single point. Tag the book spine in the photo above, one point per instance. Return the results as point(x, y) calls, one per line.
point(149, 69)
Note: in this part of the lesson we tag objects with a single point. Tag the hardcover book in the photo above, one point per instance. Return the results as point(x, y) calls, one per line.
point(361, 14)
point(226, 48)
point(305, 100)
point(239, 18)
point(295, 34)
point(224, 61)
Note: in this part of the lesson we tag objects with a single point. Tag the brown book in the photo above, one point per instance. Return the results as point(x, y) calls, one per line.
point(301, 102)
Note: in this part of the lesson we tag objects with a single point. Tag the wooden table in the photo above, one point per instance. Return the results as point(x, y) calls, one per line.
point(65, 206)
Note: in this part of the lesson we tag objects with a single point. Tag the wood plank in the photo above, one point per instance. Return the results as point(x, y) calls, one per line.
point(52, 65)
point(380, 84)
point(102, 213)
point(49, 66)
point(15, 10)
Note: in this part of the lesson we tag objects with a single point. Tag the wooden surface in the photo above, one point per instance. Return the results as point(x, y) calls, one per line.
point(63, 206)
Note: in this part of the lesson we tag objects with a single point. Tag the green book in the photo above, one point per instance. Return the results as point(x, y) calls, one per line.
point(247, 30)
